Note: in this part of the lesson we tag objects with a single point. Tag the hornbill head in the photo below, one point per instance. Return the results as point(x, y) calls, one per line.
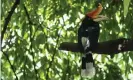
point(95, 14)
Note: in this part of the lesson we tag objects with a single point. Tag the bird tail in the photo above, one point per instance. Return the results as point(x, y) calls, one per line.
point(88, 69)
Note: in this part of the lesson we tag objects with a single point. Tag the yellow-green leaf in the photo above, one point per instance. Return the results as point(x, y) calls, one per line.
point(126, 4)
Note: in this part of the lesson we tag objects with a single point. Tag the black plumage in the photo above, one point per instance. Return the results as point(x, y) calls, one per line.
point(89, 30)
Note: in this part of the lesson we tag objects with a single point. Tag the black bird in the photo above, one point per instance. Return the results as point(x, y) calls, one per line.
point(88, 35)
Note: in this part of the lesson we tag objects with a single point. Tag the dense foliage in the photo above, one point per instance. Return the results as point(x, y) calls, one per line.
point(37, 27)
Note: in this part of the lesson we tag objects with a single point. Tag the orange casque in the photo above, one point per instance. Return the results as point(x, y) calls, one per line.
point(94, 14)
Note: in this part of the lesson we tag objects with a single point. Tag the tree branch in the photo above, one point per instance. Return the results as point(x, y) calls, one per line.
point(8, 18)
point(107, 47)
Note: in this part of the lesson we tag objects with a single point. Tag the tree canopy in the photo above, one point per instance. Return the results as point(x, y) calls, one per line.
point(33, 31)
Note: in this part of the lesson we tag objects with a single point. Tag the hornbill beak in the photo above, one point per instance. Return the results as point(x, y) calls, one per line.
point(100, 18)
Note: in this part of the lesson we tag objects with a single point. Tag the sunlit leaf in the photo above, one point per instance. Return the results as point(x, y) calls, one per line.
point(126, 5)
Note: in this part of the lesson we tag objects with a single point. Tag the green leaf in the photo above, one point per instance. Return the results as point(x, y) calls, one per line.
point(126, 5)
point(131, 55)
point(40, 39)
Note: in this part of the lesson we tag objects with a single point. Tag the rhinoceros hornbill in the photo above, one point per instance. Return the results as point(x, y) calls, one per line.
point(88, 35)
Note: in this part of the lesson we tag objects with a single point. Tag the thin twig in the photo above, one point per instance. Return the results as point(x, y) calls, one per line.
point(12, 67)
point(7, 57)
point(50, 63)
point(31, 41)
point(27, 15)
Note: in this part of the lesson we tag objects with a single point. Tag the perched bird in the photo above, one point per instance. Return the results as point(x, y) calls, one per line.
point(88, 35)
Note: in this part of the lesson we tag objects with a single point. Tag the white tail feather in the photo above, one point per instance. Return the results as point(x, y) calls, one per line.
point(89, 71)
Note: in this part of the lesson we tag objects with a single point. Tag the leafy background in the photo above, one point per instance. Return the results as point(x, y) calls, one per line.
point(30, 44)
